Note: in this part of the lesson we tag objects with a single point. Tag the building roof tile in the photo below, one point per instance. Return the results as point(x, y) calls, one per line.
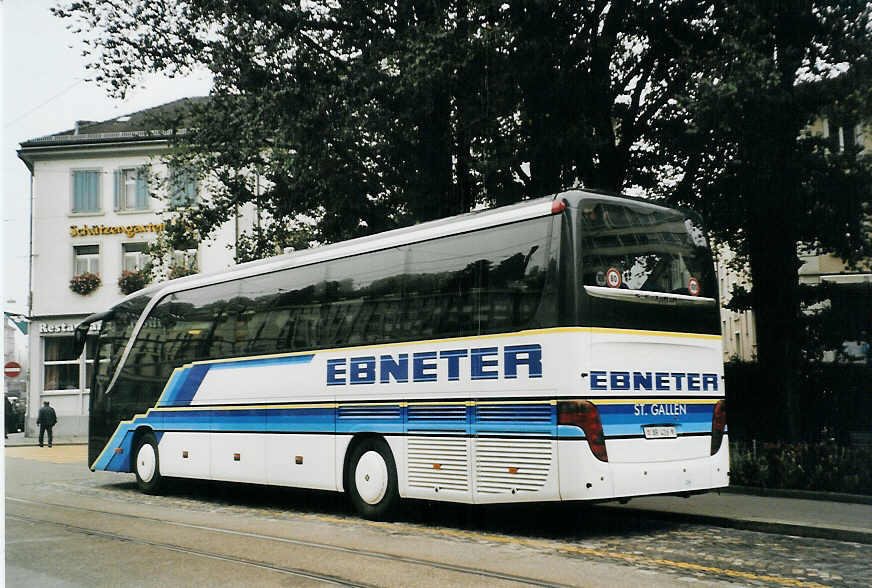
point(151, 123)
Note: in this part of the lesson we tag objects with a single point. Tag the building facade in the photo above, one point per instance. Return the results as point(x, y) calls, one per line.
point(93, 211)
point(738, 329)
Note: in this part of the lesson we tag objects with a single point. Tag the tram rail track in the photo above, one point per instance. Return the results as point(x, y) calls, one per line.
point(188, 551)
point(302, 573)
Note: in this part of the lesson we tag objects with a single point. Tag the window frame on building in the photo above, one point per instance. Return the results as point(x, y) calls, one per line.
point(142, 259)
point(51, 364)
point(98, 197)
point(131, 179)
point(837, 134)
point(188, 258)
point(84, 365)
point(183, 187)
point(95, 257)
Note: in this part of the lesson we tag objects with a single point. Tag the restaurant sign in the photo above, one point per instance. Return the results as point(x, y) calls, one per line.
point(62, 328)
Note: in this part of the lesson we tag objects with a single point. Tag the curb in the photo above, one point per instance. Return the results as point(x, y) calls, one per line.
point(802, 494)
point(54, 444)
point(759, 526)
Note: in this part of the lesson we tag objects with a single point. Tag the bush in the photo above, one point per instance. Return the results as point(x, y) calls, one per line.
point(180, 271)
point(85, 283)
point(824, 466)
point(131, 281)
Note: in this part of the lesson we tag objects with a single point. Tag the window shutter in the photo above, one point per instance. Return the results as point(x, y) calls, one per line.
point(78, 191)
point(93, 190)
point(117, 200)
point(173, 198)
point(141, 190)
point(190, 190)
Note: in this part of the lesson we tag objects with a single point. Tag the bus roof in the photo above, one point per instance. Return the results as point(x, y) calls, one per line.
point(453, 225)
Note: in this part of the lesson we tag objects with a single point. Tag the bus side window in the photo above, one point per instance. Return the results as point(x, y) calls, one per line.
point(279, 315)
point(452, 293)
point(362, 287)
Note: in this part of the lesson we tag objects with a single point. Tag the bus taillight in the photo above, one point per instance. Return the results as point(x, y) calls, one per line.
point(584, 414)
point(719, 424)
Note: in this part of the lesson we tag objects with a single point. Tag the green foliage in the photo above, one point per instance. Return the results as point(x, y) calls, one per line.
point(344, 119)
point(85, 283)
point(366, 116)
point(822, 466)
point(765, 183)
point(180, 271)
point(131, 281)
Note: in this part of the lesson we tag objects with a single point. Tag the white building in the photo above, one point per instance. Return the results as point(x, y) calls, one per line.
point(91, 213)
point(738, 328)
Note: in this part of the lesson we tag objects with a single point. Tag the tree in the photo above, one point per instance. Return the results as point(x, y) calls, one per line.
point(765, 183)
point(364, 116)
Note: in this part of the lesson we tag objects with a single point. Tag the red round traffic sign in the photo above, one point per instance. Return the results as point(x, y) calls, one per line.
point(693, 286)
point(11, 369)
point(613, 278)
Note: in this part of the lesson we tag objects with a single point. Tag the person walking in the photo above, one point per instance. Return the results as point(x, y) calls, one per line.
point(8, 418)
point(46, 420)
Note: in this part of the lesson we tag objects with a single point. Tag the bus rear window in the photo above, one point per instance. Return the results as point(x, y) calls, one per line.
point(645, 248)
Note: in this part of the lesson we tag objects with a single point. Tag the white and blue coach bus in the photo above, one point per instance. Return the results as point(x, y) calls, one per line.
point(565, 348)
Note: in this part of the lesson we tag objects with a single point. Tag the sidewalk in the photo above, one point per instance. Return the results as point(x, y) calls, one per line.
point(19, 440)
point(820, 518)
point(815, 515)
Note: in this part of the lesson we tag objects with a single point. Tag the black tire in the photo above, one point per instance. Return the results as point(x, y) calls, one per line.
point(371, 479)
point(146, 464)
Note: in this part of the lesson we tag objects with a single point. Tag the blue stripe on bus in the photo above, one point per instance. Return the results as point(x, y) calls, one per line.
point(186, 381)
point(172, 386)
point(492, 418)
point(621, 419)
point(120, 462)
point(193, 378)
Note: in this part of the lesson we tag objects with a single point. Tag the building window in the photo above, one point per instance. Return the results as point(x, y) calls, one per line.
point(842, 135)
point(131, 189)
point(134, 256)
point(184, 262)
point(86, 191)
point(182, 188)
point(61, 370)
point(86, 258)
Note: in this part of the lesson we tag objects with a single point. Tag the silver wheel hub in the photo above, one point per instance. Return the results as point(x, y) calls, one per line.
point(371, 477)
point(146, 462)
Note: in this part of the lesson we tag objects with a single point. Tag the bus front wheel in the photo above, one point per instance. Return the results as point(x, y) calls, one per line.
point(371, 479)
point(147, 464)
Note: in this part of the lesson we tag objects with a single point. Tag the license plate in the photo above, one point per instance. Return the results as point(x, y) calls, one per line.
point(660, 432)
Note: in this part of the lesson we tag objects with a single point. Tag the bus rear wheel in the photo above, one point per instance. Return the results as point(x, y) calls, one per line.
point(371, 479)
point(147, 464)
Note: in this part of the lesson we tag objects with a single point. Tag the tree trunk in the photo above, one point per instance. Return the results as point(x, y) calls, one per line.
point(773, 204)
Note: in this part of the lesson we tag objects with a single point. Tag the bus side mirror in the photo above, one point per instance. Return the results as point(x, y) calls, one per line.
point(80, 336)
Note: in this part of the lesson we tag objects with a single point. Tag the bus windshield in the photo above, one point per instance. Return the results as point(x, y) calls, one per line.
point(115, 331)
point(645, 248)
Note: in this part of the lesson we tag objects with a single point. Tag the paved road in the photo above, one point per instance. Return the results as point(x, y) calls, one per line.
point(67, 526)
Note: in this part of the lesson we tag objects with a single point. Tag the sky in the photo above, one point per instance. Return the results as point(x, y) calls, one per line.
point(45, 89)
